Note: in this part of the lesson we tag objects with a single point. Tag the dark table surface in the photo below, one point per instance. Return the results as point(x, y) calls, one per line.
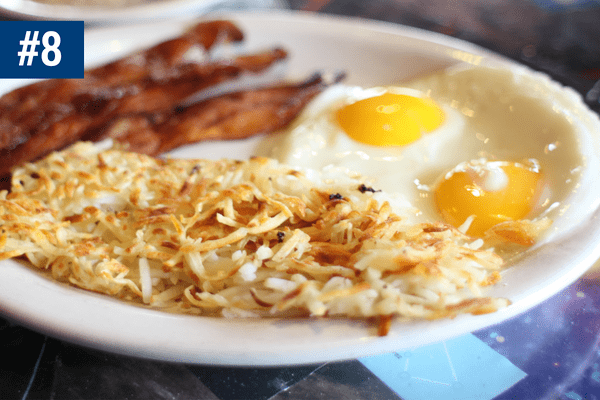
point(550, 352)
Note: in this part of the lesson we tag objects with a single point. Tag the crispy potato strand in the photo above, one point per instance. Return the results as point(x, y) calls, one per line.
point(245, 238)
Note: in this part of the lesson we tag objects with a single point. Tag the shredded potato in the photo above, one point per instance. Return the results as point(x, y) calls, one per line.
point(238, 238)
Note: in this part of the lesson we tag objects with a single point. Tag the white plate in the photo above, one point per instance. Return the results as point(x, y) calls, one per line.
point(111, 11)
point(373, 54)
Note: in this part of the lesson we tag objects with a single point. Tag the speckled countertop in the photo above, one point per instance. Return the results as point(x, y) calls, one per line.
point(550, 352)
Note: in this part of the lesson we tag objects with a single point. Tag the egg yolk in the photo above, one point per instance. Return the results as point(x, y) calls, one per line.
point(389, 119)
point(490, 193)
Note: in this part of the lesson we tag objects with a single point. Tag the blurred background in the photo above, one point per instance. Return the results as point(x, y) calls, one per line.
point(560, 37)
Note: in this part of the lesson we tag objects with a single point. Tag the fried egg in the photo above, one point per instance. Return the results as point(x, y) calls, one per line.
point(479, 194)
point(470, 146)
point(390, 135)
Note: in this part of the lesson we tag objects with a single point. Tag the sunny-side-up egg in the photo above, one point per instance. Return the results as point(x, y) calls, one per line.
point(390, 135)
point(469, 146)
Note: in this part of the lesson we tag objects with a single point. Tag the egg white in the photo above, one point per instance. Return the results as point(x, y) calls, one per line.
point(513, 115)
point(316, 140)
point(491, 113)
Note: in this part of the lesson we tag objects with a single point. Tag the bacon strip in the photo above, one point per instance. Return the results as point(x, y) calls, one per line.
point(142, 100)
point(228, 117)
point(91, 110)
point(161, 58)
point(45, 102)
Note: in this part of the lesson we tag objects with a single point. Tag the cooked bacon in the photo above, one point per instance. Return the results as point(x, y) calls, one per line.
point(92, 109)
point(230, 116)
point(45, 102)
point(161, 95)
point(144, 100)
point(161, 58)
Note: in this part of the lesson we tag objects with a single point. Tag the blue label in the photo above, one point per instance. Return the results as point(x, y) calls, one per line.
point(41, 49)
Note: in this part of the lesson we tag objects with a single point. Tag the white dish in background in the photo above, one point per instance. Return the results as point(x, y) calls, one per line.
point(373, 54)
point(122, 11)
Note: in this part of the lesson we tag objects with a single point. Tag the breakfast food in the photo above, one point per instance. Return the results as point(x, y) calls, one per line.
point(481, 148)
point(306, 235)
point(148, 88)
point(86, 113)
point(24, 109)
point(236, 115)
point(238, 238)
